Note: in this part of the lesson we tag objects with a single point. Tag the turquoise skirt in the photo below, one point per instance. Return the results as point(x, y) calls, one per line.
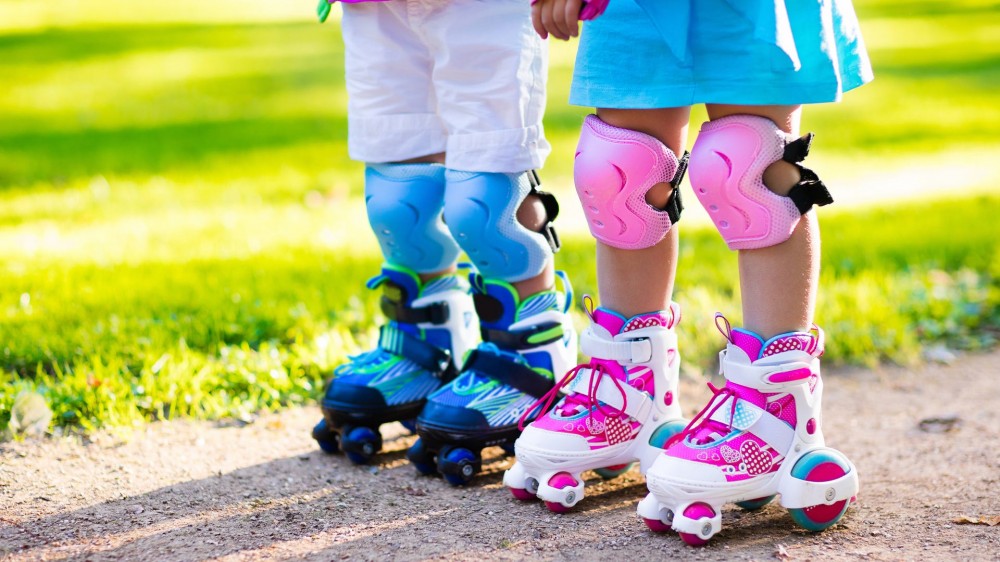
point(645, 54)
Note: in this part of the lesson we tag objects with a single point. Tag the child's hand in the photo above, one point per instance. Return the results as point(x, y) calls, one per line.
point(561, 18)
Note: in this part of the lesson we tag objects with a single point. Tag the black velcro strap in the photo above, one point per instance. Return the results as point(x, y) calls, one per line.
point(797, 150)
point(809, 191)
point(435, 360)
point(507, 372)
point(682, 168)
point(436, 313)
point(551, 206)
point(539, 334)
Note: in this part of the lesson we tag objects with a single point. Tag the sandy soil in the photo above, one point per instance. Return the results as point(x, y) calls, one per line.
point(196, 491)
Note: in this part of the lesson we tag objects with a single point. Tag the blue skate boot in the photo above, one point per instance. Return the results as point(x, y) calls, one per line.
point(431, 326)
point(524, 344)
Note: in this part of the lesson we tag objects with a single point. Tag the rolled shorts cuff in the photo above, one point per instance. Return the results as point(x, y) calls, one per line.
point(507, 151)
point(391, 138)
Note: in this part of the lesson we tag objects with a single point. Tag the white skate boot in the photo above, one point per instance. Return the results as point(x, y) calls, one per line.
point(759, 436)
point(619, 408)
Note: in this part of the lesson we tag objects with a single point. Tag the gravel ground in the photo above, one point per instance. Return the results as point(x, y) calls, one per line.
point(925, 441)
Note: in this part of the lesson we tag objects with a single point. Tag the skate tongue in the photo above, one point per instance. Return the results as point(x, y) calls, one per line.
point(580, 400)
point(749, 342)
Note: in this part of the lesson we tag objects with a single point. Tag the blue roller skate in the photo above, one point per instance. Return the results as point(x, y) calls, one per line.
point(431, 327)
point(524, 344)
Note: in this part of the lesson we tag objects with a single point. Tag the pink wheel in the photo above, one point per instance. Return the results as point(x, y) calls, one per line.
point(656, 525)
point(820, 466)
point(697, 511)
point(522, 494)
point(562, 481)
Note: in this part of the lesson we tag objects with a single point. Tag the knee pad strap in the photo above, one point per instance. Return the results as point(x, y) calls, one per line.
point(405, 204)
point(727, 167)
point(480, 210)
point(613, 171)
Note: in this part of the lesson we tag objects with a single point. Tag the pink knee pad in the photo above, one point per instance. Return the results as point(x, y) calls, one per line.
point(614, 169)
point(727, 166)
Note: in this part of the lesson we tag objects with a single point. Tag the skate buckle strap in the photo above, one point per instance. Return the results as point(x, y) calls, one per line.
point(551, 206)
point(539, 334)
point(435, 360)
point(436, 313)
point(762, 376)
point(508, 372)
point(754, 419)
point(624, 397)
point(633, 351)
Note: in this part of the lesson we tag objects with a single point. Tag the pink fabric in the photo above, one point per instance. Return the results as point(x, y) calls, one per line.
point(590, 10)
point(727, 166)
point(614, 169)
point(593, 8)
point(744, 456)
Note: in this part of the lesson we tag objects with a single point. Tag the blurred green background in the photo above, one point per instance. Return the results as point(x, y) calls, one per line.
point(182, 234)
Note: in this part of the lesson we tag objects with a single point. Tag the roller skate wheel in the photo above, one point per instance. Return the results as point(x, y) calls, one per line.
point(820, 466)
point(661, 437)
point(522, 494)
point(328, 440)
point(532, 485)
point(656, 525)
point(609, 472)
point(698, 511)
point(561, 481)
point(421, 458)
point(754, 505)
point(360, 444)
point(457, 465)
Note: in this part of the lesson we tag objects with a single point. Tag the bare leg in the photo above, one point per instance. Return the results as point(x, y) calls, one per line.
point(619, 287)
point(779, 283)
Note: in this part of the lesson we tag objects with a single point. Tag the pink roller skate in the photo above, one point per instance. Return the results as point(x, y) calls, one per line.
point(759, 436)
point(619, 408)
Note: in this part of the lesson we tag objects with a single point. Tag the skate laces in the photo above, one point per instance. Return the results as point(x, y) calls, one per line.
point(702, 426)
point(586, 401)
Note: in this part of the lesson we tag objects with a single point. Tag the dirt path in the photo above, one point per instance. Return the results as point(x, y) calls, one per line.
point(186, 491)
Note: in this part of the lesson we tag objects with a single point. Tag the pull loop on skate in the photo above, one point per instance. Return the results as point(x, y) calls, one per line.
point(589, 306)
point(727, 332)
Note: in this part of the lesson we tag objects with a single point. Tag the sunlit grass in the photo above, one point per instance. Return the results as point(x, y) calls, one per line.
point(179, 227)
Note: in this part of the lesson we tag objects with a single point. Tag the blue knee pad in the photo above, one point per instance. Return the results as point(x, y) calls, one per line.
point(480, 209)
point(405, 203)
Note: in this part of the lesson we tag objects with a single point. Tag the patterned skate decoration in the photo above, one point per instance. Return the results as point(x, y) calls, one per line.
point(619, 408)
point(429, 325)
point(759, 436)
point(524, 343)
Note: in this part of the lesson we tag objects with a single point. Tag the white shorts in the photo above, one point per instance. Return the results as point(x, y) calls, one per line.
point(464, 77)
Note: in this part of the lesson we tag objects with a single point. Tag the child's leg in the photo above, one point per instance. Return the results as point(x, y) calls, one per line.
point(431, 318)
point(621, 406)
point(778, 283)
point(489, 79)
point(761, 434)
point(619, 286)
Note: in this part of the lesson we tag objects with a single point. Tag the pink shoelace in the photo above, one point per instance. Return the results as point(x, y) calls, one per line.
point(703, 420)
point(577, 399)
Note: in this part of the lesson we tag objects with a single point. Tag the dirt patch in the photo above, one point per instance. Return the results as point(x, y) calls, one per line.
point(194, 491)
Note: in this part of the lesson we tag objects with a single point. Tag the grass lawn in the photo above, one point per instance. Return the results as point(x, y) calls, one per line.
point(178, 213)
